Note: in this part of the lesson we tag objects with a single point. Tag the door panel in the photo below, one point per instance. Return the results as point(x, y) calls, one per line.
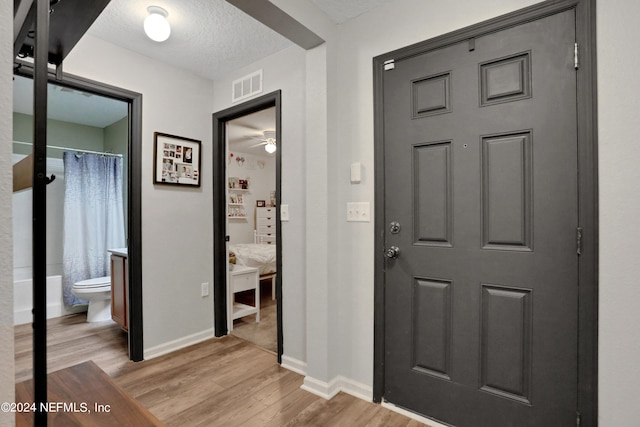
point(507, 191)
point(432, 327)
point(480, 151)
point(432, 194)
point(506, 342)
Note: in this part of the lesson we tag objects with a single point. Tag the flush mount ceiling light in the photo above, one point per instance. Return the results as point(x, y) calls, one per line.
point(156, 25)
point(270, 139)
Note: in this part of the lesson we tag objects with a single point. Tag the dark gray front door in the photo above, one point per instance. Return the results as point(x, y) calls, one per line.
point(481, 308)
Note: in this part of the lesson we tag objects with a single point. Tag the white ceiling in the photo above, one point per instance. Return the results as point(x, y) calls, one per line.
point(208, 37)
point(340, 11)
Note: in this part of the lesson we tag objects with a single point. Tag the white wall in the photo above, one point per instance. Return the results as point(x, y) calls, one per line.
point(619, 174)
point(285, 71)
point(319, 335)
point(7, 372)
point(174, 263)
point(262, 181)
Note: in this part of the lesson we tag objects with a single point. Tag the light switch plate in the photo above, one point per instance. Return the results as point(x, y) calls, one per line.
point(358, 212)
point(356, 173)
point(284, 212)
point(205, 289)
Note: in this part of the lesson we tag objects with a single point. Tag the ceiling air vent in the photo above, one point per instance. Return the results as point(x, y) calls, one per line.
point(246, 86)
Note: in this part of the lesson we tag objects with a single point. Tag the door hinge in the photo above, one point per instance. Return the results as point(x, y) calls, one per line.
point(389, 65)
point(579, 240)
point(578, 419)
point(576, 59)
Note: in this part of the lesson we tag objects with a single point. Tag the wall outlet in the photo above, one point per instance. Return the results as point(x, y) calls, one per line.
point(205, 289)
point(358, 212)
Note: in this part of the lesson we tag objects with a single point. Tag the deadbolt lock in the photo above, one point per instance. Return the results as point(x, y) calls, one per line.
point(394, 227)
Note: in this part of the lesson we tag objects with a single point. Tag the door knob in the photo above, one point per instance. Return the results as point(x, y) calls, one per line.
point(393, 252)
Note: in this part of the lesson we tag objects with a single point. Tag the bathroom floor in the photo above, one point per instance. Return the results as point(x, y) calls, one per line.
point(71, 340)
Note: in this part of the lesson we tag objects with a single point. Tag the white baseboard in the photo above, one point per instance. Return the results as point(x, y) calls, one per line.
point(356, 389)
point(295, 365)
point(328, 390)
point(412, 415)
point(336, 385)
point(321, 388)
point(174, 345)
point(20, 317)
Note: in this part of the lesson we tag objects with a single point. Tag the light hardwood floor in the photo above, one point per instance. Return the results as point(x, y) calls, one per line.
point(219, 382)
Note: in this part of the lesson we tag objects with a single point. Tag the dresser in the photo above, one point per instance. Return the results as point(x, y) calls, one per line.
point(266, 225)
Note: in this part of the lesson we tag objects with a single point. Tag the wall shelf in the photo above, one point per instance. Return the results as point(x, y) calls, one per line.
point(235, 199)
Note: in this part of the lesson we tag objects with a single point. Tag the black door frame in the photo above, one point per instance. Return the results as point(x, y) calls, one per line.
point(220, 120)
point(587, 185)
point(134, 214)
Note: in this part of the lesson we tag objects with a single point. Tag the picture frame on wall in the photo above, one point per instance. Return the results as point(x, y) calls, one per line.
point(176, 160)
point(260, 203)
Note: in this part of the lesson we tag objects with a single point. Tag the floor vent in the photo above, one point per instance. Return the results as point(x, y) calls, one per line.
point(246, 86)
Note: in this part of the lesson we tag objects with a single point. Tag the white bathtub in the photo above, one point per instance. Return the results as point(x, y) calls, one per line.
point(23, 300)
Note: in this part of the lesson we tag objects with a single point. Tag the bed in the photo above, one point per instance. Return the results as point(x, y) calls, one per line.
point(259, 255)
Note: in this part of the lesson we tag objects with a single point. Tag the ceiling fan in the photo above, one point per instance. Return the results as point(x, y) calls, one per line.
point(268, 140)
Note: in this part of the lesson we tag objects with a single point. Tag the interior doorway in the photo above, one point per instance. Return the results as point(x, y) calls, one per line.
point(251, 227)
point(128, 127)
point(247, 244)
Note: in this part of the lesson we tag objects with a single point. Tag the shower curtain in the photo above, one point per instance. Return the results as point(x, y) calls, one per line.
point(93, 218)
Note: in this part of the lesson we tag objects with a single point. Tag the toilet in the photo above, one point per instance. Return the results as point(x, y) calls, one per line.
point(98, 292)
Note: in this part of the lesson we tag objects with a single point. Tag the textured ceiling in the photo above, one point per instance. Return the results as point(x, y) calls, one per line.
point(340, 11)
point(208, 37)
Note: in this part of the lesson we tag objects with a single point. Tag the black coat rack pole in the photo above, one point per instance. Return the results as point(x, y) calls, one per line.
point(39, 237)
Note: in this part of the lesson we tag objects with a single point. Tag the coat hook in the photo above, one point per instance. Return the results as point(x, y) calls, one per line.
point(49, 180)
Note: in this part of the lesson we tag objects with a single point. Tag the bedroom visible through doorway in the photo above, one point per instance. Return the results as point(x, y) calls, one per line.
point(246, 211)
point(251, 227)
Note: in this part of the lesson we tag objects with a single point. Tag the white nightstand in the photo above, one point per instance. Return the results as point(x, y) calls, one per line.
point(243, 278)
